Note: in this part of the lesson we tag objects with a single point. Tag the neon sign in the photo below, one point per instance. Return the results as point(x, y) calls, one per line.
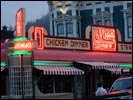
point(20, 29)
point(27, 45)
point(104, 39)
point(39, 36)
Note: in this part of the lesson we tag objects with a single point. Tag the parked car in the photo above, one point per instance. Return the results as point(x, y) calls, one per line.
point(123, 86)
point(120, 89)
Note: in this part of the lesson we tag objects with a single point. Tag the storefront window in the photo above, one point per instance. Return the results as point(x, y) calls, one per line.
point(55, 84)
point(63, 84)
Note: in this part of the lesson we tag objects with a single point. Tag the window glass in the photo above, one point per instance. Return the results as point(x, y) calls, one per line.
point(69, 28)
point(122, 84)
point(55, 84)
point(99, 22)
point(103, 18)
point(129, 26)
point(107, 22)
point(45, 84)
point(60, 29)
point(63, 84)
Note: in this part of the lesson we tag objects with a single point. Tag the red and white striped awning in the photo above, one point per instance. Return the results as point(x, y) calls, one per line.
point(100, 65)
point(60, 70)
point(114, 68)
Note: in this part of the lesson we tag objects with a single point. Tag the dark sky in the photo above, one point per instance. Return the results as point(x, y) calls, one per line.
point(33, 9)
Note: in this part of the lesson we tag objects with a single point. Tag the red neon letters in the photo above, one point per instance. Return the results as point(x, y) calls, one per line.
point(20, 23)
point(104, 39)
point(39, 36)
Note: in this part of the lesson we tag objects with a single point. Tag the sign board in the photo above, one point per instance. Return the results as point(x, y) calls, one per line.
point(125, 47)
point(27, 45)
point(64, 43)
point(20, 23)
point(37, 33)
point(103, 38)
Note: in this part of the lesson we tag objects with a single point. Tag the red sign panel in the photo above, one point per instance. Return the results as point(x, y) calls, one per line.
point(39, 36)
point(27, 45)
point(20, 28)
point(103, 38)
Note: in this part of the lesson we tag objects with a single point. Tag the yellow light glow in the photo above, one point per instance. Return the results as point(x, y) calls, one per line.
point(64, 10)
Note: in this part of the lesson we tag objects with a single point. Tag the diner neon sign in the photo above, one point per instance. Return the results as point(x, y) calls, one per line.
point(104, 39)
point(20, 30)
point(27, 45)
point(39, 36)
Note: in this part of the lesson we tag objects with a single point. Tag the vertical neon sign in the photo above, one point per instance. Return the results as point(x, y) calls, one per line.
point(103, 39)
point(20, 23)
point(39, 36)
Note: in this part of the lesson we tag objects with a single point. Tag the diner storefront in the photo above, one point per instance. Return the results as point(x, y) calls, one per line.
point(99, 56)
point(95, 70)
point(70, 68)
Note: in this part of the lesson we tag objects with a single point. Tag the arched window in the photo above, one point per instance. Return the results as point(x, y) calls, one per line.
point(103, 18)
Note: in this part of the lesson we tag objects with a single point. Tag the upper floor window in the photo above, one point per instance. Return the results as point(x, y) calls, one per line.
point(88, 4)
point(99, 22)
point(69, 28)
point(107, 22)
point(107, 1)
point(98, 3)
point(103, 18)
point(129, 26)
point(60, 29)
point(59, 6)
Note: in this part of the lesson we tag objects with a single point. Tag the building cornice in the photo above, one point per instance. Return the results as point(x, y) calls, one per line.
point(67, 17)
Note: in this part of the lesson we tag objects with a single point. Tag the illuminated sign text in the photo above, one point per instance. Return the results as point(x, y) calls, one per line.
point(27, 45)
point(39, 36)
point(20, 28)
point(122, 47)
point(50, 42)
point(103, 39)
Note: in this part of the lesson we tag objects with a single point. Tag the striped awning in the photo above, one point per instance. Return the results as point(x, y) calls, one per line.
point(100, 65)
point(60, 70)
point(114, 68)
